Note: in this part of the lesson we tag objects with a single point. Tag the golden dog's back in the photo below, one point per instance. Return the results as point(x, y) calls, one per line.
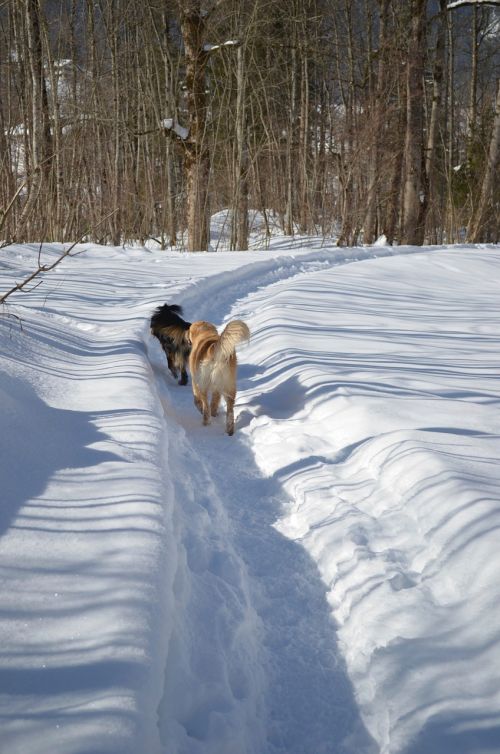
point(213, 367)
point(213, 356)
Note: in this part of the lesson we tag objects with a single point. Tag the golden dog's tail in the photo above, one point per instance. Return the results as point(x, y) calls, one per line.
point(234, 332)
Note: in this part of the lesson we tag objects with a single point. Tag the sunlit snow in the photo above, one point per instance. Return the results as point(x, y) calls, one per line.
point(324, 582)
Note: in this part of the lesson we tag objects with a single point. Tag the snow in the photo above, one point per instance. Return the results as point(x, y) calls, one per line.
point(324, 581)
point(170, 124)
point(459, 3)
point(213, 48)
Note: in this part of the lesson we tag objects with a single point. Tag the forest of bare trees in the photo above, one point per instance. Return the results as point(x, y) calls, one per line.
point(128, 121)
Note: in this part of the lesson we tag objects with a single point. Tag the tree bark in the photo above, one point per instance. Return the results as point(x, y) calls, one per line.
point(170, 111)
point(380, 107)
point(415, 190)
point(197, 152)
point(40, 142)
point(290, 166)
point(435, 120)
point(480, 226)
point(240, 210)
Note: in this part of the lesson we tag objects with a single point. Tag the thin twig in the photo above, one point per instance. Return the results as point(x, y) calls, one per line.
point(47, 267)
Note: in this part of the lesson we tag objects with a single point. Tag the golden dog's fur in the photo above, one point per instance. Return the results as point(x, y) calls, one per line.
point(212, 363)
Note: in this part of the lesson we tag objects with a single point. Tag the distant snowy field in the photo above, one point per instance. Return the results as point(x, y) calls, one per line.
point(327, 581)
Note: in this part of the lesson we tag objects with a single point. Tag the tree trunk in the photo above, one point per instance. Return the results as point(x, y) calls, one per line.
point(392, 215)
point(117, 162)
point(435, 119)
point(473, 76)
point(197, 152)
point(240, 210)
point(450, 122)
point(380, 105)
point(480, 226)
point(40, 143)
point(171, 113)
point(290, 166)
point(350, 208)
point(415, 190)
point(304, 207)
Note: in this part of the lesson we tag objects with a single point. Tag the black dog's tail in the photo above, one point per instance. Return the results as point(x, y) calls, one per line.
point(165, 315)
point(176, 308)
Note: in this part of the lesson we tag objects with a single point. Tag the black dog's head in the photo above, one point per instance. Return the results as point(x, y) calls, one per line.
point(168, 326)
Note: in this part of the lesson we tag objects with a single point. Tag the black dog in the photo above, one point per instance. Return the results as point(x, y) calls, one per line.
point(168, 326)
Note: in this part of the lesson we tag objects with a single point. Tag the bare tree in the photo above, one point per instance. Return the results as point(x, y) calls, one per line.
point(434, 131)
point(481, 226)
point(240, 209)
point(380, 107)
point(39, 134)
point(360, 118)
point(415, 188)
point(193, 26)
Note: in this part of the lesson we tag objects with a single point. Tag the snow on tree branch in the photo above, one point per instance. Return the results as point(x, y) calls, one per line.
point(229, 43)
point(461, 3)
point(169, 124)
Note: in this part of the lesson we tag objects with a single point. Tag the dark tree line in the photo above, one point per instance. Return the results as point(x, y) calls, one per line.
point(129, 121)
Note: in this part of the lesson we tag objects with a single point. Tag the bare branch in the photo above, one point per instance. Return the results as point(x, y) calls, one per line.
point(5, 212)
point(42, 268)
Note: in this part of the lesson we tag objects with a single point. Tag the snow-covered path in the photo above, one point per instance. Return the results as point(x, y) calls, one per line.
point(321, 582)
point(262, 672)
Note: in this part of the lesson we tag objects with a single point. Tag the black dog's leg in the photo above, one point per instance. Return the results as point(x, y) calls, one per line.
point(171, 365)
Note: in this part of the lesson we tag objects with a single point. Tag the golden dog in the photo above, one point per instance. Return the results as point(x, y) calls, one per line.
point(212, 363)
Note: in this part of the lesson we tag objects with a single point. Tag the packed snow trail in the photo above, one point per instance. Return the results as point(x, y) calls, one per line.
point(242, 579)
point(253, 665)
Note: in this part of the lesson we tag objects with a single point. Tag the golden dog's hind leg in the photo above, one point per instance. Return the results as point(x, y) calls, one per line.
point(230, 413)
point(205, 409)
point(214, 404)
point(197, 396)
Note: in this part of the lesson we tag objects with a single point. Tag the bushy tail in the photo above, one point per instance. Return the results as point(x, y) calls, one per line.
point(168, 314)
point(234, 332)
